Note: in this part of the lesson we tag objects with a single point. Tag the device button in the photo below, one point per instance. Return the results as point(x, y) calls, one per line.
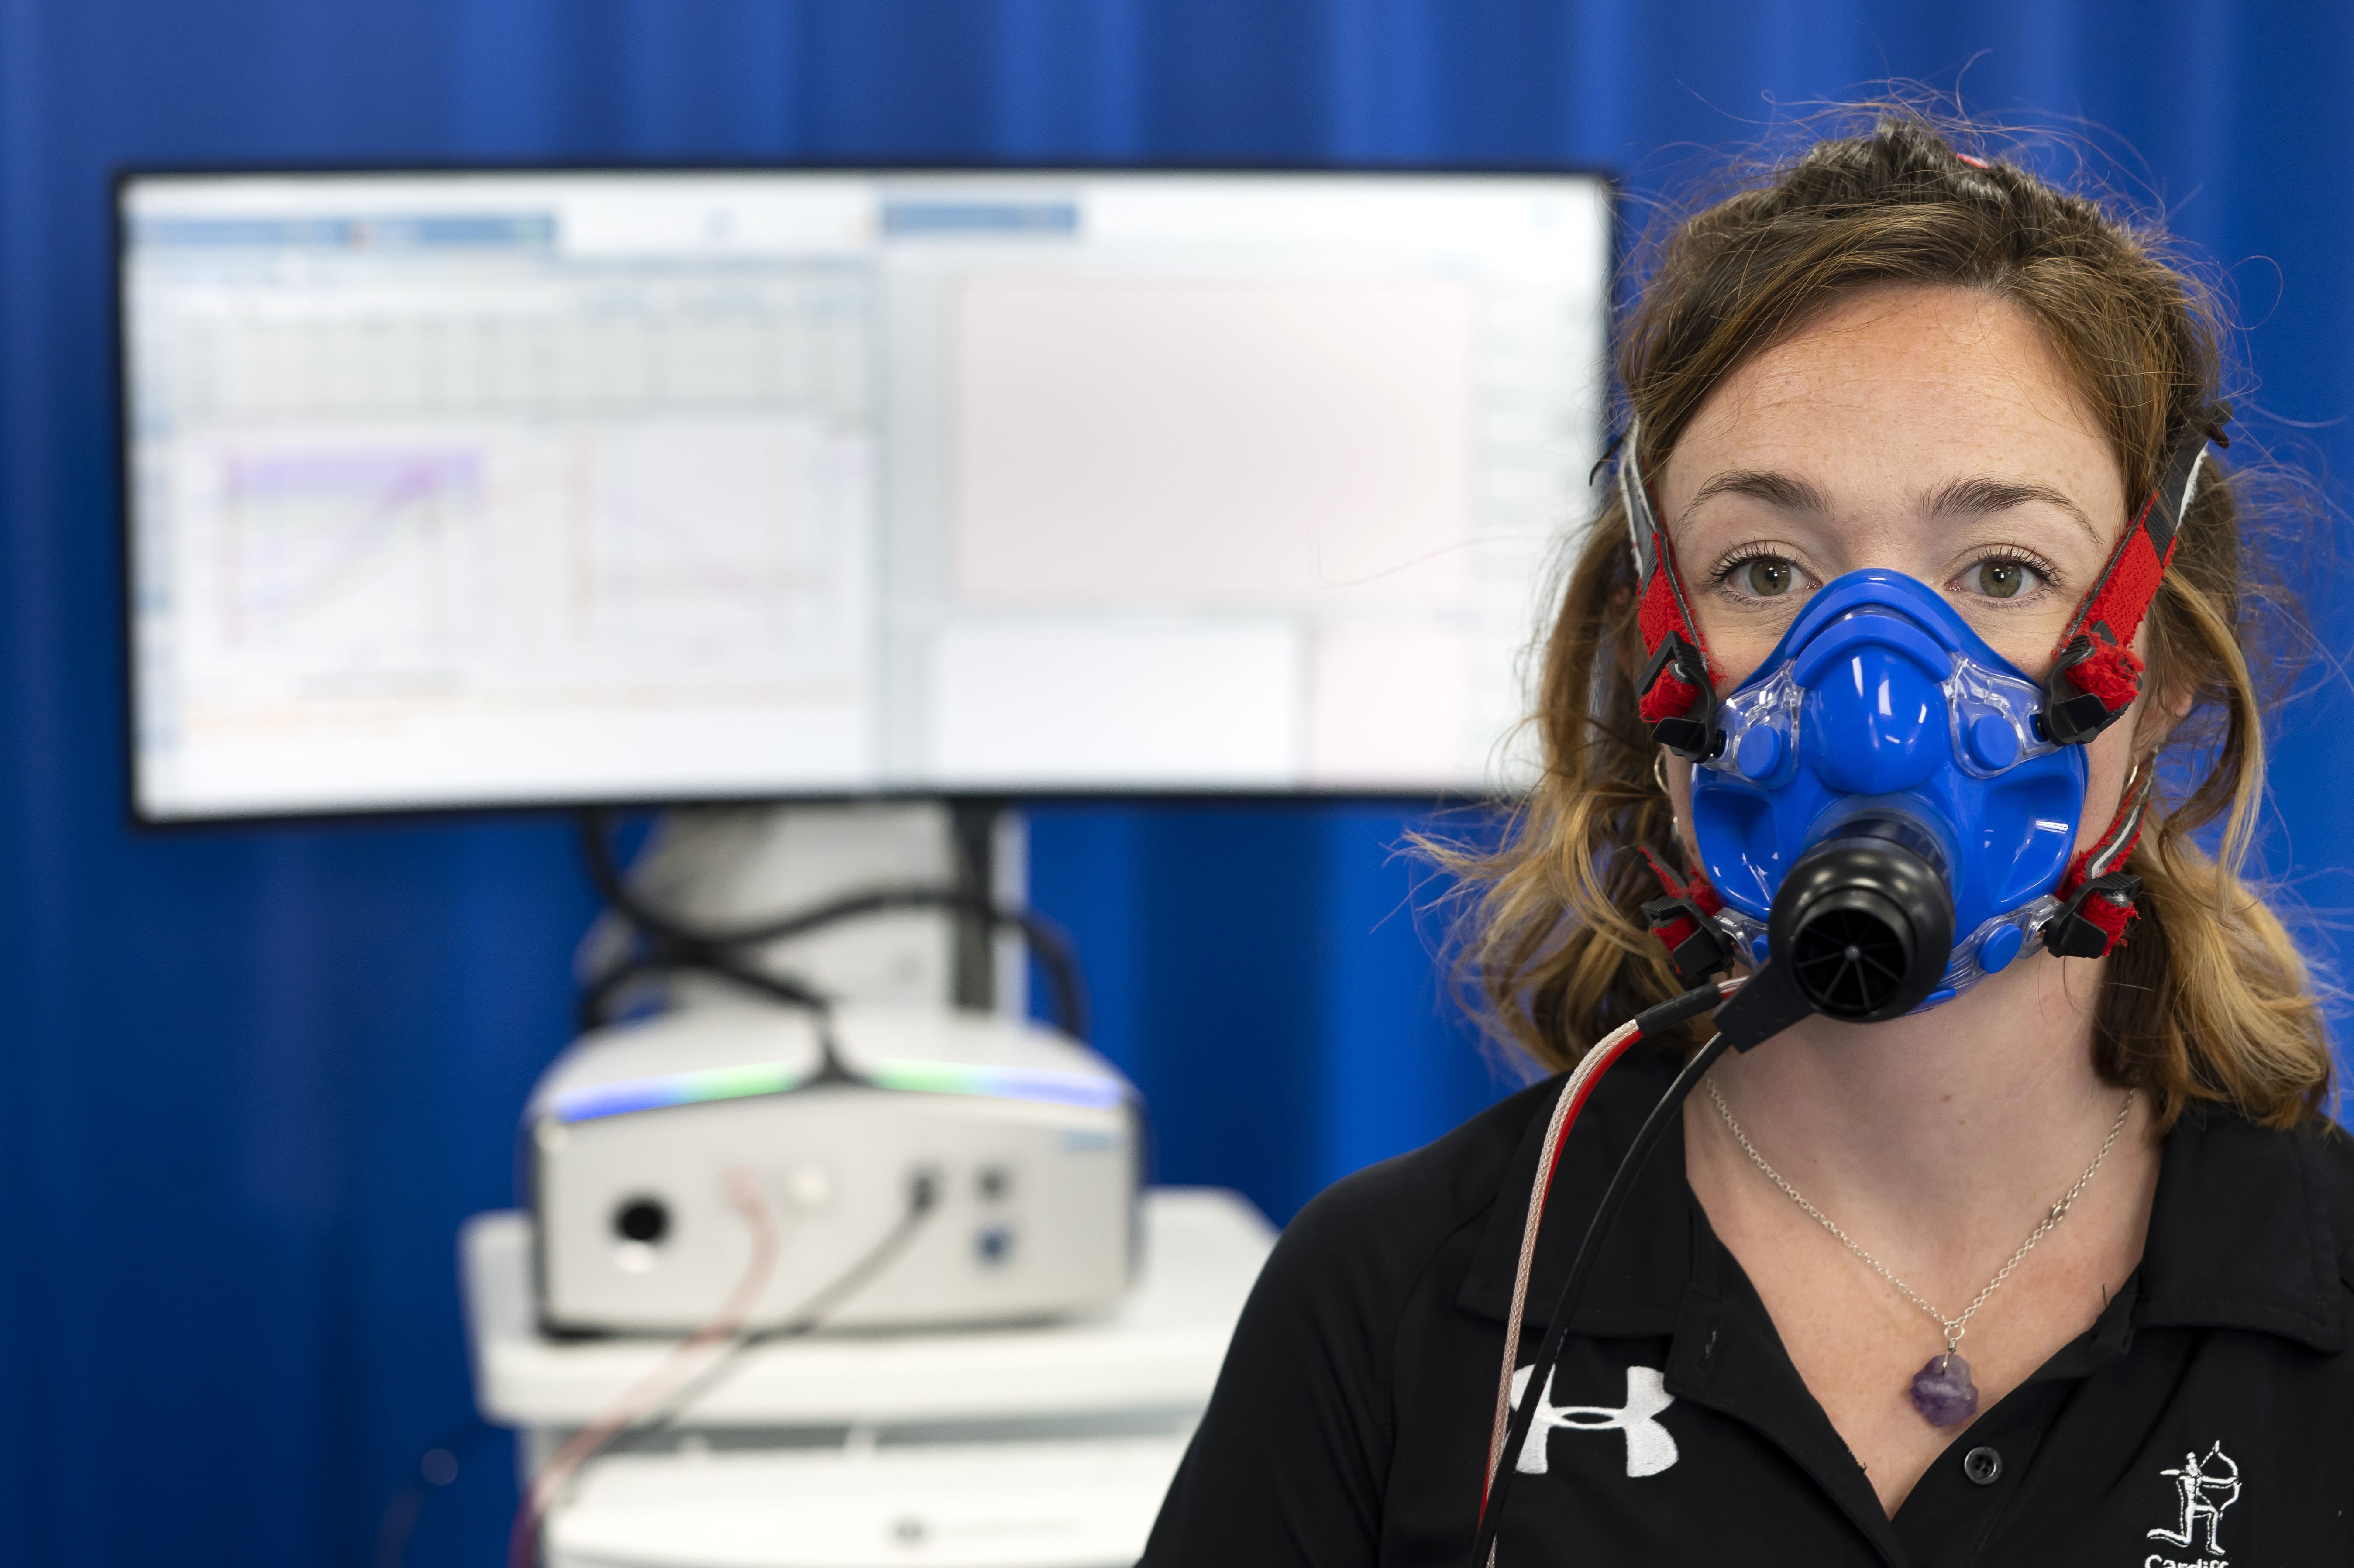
point(1982, 1465)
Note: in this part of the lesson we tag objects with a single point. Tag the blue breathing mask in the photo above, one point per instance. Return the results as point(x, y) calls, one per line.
point(1886, 791)
point(1880, 715)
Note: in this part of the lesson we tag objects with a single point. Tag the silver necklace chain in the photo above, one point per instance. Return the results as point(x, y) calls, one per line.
point(1954, 1327)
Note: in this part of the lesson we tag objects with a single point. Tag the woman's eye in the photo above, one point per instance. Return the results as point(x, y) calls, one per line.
point(1764, 577)
point(2001, 579)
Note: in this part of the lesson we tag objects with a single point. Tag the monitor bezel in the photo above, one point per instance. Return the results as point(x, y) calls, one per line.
point(124, 177)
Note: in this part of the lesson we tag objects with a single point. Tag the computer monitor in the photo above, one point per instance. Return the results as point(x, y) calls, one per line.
point(476, 489)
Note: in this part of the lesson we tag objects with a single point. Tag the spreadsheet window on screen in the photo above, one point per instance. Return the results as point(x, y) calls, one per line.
point(472, 490)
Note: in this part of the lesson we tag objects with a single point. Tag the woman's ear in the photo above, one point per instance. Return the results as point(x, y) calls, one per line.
point(2167, 695)
point(2164, 705)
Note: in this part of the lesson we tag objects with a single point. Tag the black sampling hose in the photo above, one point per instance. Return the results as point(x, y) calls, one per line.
point(720, 950)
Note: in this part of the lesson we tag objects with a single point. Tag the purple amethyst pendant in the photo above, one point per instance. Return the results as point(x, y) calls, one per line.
point(1943, 1391)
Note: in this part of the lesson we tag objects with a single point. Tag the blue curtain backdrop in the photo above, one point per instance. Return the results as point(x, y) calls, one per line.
point(255, 1078)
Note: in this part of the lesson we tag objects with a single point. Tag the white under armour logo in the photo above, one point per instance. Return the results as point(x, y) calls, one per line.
point(1650, 1447)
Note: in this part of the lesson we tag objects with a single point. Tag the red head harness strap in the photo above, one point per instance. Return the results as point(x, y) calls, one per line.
point(2095, 678)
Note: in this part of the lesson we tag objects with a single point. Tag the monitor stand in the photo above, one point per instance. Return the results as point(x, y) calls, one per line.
point(726, 865)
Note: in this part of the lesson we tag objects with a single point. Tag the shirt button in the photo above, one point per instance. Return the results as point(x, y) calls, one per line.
point(1983, 1466)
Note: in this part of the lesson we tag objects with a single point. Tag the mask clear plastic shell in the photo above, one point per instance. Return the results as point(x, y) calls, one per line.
point(1991, 716)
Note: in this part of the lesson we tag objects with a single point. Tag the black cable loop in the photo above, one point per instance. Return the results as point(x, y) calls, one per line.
point(681, 944)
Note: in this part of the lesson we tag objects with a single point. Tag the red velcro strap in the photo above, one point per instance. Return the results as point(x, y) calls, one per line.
point(2112, 674)
point(2099, 909)
point(1662, 613)
point(1697, 889)
point(1661, 619)
point(1676, 932)
point(2080, 868)
point(1661, 610)
point(1668, 698)
point(2112, 613)
point(1659, 616)
point(2112, 918)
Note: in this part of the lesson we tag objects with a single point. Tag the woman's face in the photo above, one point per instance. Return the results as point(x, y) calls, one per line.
point(1926, 431)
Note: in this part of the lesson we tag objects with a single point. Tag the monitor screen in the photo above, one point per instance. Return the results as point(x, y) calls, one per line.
point(480, 489)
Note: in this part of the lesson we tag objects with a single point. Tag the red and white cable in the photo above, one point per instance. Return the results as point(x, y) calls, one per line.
point(1574, 1091)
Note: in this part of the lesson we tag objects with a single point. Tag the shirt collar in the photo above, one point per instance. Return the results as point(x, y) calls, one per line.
point(2245, 1231)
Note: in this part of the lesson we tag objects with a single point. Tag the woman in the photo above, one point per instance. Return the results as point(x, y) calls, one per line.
point(2051, 1269)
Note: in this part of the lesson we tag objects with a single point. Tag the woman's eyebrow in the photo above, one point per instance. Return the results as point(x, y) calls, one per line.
point(1968, 498)
point(1780, 489)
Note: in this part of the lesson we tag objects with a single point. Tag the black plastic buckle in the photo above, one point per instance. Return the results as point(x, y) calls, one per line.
point(1707, 951)
point(2069, 935)
point(2071, 717)
point(1693, 739)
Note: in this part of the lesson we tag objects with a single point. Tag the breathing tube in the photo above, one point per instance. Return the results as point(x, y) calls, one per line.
point(1885, 813)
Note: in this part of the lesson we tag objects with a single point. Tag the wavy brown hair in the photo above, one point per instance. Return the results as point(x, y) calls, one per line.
point(2209, 1001)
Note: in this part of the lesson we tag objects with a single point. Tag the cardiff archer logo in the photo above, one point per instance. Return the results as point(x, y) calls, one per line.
point(1650, 1446)
point(2203, 1488)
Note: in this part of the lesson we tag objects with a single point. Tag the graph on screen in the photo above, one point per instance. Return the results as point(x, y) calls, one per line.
point(343, 547)
point(689, 550)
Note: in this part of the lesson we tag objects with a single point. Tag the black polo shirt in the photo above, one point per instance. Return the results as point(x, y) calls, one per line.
point(2206, 1419)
